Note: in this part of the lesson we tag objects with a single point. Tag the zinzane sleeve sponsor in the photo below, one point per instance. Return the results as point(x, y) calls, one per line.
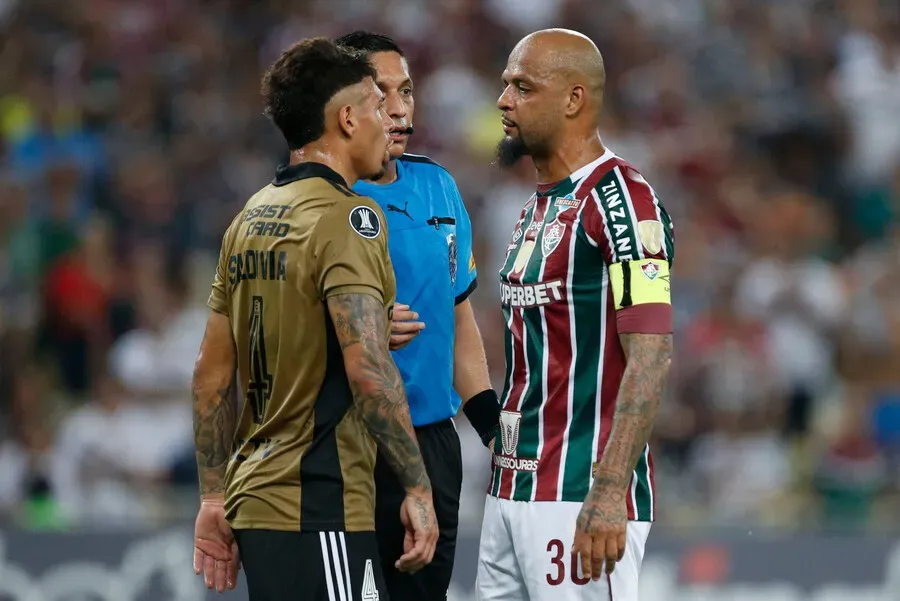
point(636, 236)
point(350, 246)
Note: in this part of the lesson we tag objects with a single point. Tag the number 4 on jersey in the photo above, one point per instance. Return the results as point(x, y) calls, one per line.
point(259, 390)
point(369, 589)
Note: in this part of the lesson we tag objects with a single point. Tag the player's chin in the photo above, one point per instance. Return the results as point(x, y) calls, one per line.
point(376, 174)
point(510, 149)
point(398, 147)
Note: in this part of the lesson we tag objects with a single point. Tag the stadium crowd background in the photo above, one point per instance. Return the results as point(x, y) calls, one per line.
point(131, 132)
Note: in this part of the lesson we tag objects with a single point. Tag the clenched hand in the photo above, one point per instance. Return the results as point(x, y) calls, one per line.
point(417, 514)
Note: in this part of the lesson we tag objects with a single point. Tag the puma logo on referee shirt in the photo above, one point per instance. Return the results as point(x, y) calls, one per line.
point(392, 208)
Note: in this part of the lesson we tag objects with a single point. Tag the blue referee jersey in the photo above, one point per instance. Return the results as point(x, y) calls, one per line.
point(430, 243)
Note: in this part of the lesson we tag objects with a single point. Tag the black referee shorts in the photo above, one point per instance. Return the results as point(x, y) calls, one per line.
point(311, 566)
point(443, 461)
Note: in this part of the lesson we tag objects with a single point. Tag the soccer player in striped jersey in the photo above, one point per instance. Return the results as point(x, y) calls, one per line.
point(585, 295)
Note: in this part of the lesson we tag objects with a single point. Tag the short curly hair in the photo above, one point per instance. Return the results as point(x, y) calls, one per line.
point(300, 83)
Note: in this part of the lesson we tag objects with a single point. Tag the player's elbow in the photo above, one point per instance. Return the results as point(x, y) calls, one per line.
point(371, 372)
point(215, 366)
point(648, 351)
point(360, 374)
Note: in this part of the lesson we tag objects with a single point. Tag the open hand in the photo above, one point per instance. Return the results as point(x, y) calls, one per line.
point(600, 531)
point(404, 326)
point(215, 550)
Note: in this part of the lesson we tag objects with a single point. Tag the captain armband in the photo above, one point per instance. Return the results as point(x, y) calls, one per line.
point(642, 294)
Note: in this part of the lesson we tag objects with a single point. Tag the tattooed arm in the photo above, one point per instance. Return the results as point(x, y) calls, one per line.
point(215, 404)
point(215, 418)
point(646, 371)
point(601, 524)
point(361, 326)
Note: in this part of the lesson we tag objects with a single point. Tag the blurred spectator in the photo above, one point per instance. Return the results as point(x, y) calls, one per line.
point(157, 357)
point(799, 295)
point(26, 493)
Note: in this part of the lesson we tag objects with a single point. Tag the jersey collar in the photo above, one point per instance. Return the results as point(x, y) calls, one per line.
point(286, 174)
point(578, 174)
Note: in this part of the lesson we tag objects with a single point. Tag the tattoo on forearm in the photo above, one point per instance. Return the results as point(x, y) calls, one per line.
point(646, 372)
point(359, 319)
point(215, 419)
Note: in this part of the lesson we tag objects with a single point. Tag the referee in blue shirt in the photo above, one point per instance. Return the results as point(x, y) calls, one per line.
point(436, 343)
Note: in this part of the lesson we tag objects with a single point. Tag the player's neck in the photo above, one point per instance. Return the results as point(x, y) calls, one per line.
point(314, 153)
point(390, 174)
point(572, 153)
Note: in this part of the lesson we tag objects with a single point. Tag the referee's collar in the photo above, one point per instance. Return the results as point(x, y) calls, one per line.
point(285, 174)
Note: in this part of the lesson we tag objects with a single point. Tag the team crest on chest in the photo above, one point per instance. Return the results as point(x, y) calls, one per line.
point(553, 233)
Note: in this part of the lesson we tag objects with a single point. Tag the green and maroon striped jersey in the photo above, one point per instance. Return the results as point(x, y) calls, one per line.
point(564, 361)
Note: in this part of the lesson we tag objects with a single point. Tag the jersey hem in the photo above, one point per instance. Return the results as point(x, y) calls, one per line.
point(630, 519)
point(468, 291)
point(240, 524)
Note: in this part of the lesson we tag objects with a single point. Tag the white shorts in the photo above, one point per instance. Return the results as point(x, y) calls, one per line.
point(526, 555)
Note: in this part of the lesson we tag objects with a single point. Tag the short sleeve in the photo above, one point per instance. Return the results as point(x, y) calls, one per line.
point(466, 272)
point(350, 246)
point(636, 236)
point(218, 297)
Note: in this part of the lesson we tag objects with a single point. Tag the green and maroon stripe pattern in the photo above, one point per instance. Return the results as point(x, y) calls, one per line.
point(563, 357)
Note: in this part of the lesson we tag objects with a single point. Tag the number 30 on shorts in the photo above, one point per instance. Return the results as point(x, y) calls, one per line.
point(557, 573)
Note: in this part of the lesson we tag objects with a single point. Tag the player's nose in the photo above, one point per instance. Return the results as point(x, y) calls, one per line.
point(395, 107)
point(386, 121)
point(504, 102)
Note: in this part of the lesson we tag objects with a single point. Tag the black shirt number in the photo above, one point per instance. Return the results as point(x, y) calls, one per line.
point(260, 389)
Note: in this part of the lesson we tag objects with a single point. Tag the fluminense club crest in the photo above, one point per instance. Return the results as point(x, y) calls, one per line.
point(553, 233)
point(650, 270)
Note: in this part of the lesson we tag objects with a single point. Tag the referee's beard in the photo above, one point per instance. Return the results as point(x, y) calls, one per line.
point(509, 150)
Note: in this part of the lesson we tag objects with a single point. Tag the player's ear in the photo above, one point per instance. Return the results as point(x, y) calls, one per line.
point(347, 119)
point(576, 101)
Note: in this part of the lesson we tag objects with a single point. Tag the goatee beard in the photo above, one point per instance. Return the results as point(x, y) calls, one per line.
point(510, 150)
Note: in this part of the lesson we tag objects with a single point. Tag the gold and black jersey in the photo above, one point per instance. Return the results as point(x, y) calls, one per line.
point(302, 459)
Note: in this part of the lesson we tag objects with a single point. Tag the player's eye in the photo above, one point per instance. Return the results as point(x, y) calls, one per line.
point(406, 91)
point(522, 89)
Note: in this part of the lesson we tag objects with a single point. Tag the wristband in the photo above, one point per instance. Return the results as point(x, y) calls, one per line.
point(483, 411)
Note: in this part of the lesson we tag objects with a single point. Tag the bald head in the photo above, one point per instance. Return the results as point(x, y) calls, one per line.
point(554, 82)
point(563, 53)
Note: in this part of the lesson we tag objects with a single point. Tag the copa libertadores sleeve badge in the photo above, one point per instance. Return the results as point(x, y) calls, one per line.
point(365, 222)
